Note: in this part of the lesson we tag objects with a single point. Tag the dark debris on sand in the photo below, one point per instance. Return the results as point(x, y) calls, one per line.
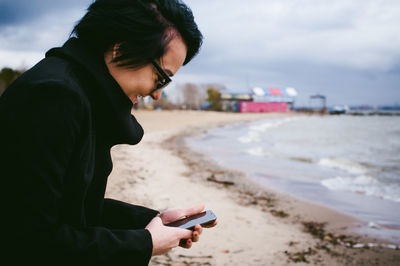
point(339, 247)
point(182, 260)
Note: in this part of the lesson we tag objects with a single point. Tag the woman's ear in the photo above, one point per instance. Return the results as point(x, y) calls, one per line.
point(115, 50)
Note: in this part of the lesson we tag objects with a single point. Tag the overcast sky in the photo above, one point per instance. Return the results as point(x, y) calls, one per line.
point(348, 50)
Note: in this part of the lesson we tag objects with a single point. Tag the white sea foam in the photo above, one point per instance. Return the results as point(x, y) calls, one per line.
point(374, 225)
point(258, 151)
point(343, 164)
point(256, 131)
point(251, 137)
point(371, 245)
point(364, 184)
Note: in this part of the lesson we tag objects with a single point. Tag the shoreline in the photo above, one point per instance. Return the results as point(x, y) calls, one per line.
point(251, 192)
point(327, 246)
point(336, 203)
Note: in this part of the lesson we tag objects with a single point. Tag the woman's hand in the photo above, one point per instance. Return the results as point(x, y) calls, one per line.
point(173, 215)
point(165, 238)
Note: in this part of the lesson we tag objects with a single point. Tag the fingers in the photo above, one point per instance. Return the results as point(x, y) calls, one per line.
point(184, 233)
point(197, 232)
point(186, 243)
point(193, 210)
point(195, 236)
point(188, 237)
point(173, 215)
point(210, 225)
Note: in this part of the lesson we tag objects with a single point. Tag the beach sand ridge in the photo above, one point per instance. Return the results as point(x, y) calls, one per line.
point(256, 226)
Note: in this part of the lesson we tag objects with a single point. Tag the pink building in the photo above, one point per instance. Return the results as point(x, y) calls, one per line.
point(260, 107)
point(260, 100)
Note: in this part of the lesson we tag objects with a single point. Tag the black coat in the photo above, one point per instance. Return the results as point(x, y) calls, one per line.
point(58, 122)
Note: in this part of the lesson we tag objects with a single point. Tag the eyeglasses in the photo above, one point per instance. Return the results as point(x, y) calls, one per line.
point(163, 79)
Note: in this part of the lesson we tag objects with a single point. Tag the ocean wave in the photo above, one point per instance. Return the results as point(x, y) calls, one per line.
point(256, 131)
point(251, 137)
point(364, 184)
point(344, 164)
point(258, 151)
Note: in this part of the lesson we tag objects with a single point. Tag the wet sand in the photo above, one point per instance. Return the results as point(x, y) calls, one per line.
point(256, 226)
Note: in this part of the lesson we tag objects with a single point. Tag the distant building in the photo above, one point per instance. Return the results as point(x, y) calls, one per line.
point(230, 100)
point(259, 100)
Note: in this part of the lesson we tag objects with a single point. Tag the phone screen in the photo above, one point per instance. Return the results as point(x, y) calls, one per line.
point(202, 218)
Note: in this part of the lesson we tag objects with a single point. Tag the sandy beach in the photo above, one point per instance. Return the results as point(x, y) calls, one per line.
point(256, 226)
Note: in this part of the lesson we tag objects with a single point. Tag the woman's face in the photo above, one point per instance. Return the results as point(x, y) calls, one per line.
point(141, 82)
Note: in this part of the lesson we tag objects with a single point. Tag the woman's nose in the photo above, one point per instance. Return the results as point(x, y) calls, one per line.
point(156, 95)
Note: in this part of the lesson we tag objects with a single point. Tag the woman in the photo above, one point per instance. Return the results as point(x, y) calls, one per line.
point(59, 121)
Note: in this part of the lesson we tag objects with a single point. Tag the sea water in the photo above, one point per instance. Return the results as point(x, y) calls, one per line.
point(347, 163)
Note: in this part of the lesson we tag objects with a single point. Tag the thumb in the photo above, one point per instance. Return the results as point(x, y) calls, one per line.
point(193, 210)
point(184, 233)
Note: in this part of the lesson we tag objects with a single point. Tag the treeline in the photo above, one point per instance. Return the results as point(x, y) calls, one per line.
point(8, 75)
point(187, 96)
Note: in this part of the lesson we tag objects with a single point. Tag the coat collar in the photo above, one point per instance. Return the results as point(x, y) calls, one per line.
point(110, 103)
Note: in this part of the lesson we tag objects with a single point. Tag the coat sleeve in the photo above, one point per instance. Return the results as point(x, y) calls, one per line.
point(122, 215)
point(37, 137)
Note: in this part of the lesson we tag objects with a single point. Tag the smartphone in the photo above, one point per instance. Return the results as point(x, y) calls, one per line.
point(203, 219)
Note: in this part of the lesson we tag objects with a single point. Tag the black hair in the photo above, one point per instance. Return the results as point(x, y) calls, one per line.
point(142, 28)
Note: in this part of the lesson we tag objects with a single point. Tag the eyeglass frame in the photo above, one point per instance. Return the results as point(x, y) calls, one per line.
point(165, 76)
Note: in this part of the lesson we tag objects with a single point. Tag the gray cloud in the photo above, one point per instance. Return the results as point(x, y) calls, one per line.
point(17, 12)
point(348, 33)
point(29, 28)
point(348, 50)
